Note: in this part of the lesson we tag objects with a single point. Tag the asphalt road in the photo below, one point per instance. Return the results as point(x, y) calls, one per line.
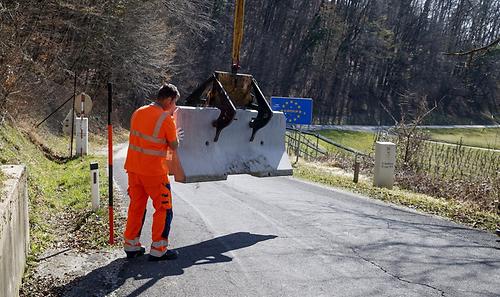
point(284, 237)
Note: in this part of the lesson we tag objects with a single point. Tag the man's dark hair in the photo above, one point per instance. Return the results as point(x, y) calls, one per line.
point(168, 90)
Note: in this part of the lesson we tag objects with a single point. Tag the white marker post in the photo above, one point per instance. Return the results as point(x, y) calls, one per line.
point(385, 160)
point(82, 136)
point(94, 182)
point(83, 105)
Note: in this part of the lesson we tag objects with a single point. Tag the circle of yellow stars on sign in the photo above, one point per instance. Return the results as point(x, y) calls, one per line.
point(293, 111)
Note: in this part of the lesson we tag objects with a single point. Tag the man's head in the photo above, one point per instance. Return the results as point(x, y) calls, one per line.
point(167, 97)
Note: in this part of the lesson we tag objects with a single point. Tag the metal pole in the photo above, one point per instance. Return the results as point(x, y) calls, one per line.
point(356, 170)
point(317, 146)
point(497, 231)
point(110, 165)
point(82, 100)
point(299, 134)
point(72, 119)
point(82, 114)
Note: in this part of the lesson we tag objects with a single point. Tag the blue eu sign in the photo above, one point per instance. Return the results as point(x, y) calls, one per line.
point(298, 111)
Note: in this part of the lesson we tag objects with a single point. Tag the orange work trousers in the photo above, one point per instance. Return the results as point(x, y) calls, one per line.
point(140, 187)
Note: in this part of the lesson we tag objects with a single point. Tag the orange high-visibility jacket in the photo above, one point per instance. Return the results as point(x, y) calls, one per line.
point(151, 129)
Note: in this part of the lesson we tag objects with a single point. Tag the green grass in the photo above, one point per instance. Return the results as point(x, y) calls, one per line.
point(59, 144)
point(361, 141)
point(479, 137)
point(465, 213)
point(54, 189)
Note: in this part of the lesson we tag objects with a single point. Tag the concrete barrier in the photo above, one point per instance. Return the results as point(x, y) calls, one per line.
point(199, 158)
point(14, 229)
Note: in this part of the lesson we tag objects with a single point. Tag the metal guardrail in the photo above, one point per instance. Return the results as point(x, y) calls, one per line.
point(329, 141)
point(299, 145)
point(302, 146)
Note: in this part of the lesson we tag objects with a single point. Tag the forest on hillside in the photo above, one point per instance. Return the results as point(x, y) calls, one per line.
point(362, 62)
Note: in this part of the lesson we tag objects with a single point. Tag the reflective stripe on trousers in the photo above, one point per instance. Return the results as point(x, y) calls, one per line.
point(132, 245)
point(159, 244)
point(158, 248)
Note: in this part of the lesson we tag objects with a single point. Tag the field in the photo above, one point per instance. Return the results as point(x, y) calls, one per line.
point(361, 141)
point(479, 137)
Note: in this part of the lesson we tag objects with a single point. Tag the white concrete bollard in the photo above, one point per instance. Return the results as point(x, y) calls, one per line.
point(385, 160)
point(82, 136)
point(94, 183)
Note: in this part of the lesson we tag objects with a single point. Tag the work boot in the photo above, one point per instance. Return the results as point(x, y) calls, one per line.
point(135, 254)
point(169, 255)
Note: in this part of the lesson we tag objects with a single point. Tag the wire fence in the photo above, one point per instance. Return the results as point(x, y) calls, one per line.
point(456, 161)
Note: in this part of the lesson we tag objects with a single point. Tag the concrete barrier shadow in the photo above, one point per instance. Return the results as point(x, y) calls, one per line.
point(109, 278)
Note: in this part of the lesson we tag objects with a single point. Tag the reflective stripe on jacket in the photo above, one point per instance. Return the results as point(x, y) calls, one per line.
point(151, 129)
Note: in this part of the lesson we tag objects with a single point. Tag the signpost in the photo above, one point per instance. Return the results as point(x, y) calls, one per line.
point(298, 111)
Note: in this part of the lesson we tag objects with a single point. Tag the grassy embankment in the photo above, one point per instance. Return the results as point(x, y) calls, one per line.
point(59, 191)
point(462, 212)
point(466, 213)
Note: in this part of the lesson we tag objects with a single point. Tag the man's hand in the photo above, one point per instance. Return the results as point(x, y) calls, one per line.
point(180, 134)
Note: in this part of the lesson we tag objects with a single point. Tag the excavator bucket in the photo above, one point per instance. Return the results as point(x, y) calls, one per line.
point(229, 128)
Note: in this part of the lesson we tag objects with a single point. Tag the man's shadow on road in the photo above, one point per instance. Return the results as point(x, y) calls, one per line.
point(107, 279)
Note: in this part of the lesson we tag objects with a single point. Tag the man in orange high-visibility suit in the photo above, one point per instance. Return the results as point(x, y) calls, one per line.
point(152, 133)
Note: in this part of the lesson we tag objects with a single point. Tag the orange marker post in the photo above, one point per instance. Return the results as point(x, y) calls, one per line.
point(110, 165)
